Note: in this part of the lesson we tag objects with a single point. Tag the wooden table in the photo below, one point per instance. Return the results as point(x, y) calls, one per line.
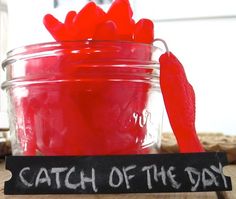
point(229, 170)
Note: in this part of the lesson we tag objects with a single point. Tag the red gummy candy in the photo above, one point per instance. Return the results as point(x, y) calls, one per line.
point(69, 20)
point(121, 13)
point(106, 31)
point(55, 27)
point(84, 111)
point(143, 31)
point(179, 99)
point(86, 21)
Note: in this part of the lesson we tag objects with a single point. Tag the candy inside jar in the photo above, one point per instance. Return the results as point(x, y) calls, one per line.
point(84, 98)
point(94, 91)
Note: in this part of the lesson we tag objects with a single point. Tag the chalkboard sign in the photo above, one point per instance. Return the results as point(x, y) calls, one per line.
point(117, 174)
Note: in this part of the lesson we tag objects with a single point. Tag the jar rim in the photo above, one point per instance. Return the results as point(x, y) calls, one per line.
point(40, 47)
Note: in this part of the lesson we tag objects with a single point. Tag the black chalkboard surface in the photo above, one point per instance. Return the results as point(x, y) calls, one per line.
point(117, 174)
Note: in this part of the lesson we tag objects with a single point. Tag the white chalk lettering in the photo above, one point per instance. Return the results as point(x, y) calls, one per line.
point(191, 171)
point(116, 171)
point(85, 179)
point(147, 168)
point(42, 177)
point(156, 175)
point(162, 173)
point(210, 180)
point(67, 182)
point(171, 177)
point(126, 176)
point(57, 171)
point(220, 171)
point(25, 182)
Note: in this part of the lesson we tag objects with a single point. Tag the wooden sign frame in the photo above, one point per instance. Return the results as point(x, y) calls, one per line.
point(152, 173)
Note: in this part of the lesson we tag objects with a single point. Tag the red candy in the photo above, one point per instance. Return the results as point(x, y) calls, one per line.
point(82, 113)
point(55, 27)
point(143, 31)
point(86, 21)
point(91, 117)
point(117, 24)
point(85, 111)
point(179, 101)
point(121, 13)
point(93, 23)
point(69, 20)
point(106, 31)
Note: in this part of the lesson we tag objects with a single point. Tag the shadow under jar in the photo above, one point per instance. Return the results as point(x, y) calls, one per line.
point(84, 98)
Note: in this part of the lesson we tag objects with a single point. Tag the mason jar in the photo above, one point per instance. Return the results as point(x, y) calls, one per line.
point(84, 98)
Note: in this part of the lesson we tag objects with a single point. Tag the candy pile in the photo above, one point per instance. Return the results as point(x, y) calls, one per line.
point(95, 94)
point(93, 23)
point(93, 99)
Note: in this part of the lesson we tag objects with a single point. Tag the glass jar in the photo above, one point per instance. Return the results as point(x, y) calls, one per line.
point(84, 98)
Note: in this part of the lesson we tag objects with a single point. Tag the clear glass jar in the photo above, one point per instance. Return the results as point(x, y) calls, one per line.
point(84, 98)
